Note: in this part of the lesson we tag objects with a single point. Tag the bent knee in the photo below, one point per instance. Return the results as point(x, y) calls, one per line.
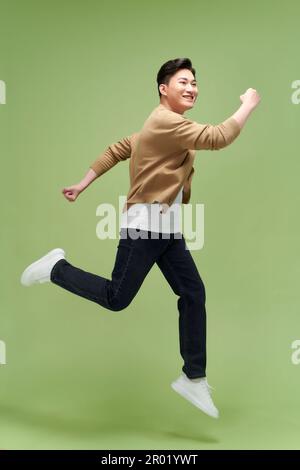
point(118, 304)
point(195, 293)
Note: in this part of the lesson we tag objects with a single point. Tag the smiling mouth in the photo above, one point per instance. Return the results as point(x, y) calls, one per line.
point(190, 98)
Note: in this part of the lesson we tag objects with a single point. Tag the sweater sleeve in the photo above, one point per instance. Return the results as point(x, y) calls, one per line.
point(113, 154)
point(192, 135)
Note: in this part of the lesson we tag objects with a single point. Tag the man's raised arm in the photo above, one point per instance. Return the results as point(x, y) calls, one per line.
point(192, 135)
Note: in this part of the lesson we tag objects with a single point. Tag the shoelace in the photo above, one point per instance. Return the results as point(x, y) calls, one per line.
point(210, 388)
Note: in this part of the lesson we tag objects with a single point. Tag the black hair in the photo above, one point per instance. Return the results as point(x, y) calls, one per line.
point(168, 69)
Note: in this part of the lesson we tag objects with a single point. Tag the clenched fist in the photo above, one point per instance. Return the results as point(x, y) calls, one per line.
point(250, 97)
point(72, 192)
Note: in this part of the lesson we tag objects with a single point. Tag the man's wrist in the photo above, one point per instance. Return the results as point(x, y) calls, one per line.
point(248, 107)
point(81, 186)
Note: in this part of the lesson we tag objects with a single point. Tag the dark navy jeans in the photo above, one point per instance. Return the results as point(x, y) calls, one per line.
point(136, 254)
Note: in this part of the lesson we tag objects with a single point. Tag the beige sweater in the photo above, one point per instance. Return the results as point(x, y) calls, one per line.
point(162, 155)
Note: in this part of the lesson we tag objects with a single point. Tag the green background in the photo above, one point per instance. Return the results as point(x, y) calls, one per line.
point(80, 75)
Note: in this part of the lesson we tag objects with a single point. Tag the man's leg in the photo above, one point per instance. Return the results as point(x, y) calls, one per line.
point(180, 270)
point(134, 259)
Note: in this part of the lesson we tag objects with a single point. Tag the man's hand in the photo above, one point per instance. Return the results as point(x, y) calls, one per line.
point(72, 192)
point(250, 98)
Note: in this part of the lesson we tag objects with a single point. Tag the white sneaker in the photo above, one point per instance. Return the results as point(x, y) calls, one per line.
point(198, 392)
point(39, 271)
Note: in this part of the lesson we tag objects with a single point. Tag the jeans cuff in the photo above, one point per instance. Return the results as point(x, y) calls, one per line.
point(56, 267)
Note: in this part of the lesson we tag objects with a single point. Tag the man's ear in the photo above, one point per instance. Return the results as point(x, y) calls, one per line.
point(162, 89)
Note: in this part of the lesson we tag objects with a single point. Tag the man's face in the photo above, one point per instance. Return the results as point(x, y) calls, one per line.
point(181, 93)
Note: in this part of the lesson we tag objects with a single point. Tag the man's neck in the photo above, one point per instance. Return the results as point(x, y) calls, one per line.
point(167, 106)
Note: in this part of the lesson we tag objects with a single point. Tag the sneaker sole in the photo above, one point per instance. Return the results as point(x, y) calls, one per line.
point(185, 394)
point(56, 251)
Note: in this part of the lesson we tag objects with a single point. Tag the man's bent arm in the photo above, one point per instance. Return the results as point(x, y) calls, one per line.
point(90, 176)
point(242, 114)
point(193, 135)
point(115, 153)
